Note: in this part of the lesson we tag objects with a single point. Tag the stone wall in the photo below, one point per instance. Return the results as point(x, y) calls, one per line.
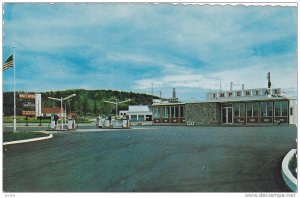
point(203, 113)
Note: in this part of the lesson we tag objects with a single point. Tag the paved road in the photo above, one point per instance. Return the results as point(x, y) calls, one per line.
point(164, 159)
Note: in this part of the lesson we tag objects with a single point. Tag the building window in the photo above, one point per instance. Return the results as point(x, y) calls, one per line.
point(270, 109)
point(284, 108)
point(291, 111)
point(141, 118)
point(165, 113)
point(252, 109)
point(266, 109)
point(281, 109)
point(156, 112)
point(133, 118)
point(277, 109)
point(176, 111)
point(181, 109)
point(172, 112)
point(239, 110)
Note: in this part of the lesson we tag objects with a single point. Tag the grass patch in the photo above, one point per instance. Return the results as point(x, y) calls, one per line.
point(293, 165)
point(11, 136)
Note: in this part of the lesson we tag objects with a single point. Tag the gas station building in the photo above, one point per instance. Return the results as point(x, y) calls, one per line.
point(238, 107)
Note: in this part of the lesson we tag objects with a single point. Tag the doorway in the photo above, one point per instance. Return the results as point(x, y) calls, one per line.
point(227, 114)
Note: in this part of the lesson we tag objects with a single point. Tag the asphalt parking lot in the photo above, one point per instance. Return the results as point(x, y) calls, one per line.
point(152, 159)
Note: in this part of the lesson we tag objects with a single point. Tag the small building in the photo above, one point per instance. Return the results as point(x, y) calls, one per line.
point(137, 113)
point(47, 112)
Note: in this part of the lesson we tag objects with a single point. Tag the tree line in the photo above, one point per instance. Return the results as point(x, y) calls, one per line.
point(85, 103)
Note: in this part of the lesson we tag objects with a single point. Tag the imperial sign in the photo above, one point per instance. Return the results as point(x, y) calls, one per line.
point(245, 93)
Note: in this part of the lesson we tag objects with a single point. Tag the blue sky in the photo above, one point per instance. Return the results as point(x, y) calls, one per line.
point(129, 47)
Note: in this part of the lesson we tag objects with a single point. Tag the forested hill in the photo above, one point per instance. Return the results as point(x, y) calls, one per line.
point(86, 102)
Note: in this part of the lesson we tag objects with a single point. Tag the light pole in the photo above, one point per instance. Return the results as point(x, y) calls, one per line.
point(66, 109)
point(61, 106)
point(117, 103)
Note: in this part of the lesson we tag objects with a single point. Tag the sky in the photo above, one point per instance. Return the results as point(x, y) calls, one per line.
point(134, 47)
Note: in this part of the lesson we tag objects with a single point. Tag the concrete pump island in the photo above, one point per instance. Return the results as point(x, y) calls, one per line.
point(235, 141)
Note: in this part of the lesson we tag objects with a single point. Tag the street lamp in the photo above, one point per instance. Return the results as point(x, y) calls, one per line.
point(66, 108)
point(117, 103)
point(61, 105)
point(66, 105)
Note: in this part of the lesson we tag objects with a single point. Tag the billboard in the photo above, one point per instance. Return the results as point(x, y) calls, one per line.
point(31, 104)
point(27, 96)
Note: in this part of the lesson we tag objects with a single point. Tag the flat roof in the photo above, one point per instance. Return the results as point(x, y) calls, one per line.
point(167, 104)
point(227, 100)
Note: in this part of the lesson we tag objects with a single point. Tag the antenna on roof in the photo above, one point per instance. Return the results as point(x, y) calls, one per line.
point(174, 93)
point(269, 80)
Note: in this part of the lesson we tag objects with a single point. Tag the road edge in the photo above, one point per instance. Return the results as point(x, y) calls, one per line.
point(287, 176)
point(30, 140)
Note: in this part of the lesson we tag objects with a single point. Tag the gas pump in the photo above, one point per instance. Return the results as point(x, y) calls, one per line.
point(71, 122)
point(54, 119)
point(107, 121)
point(100, 122)
point(126, 123)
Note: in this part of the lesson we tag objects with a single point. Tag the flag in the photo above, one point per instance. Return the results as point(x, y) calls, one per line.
point(8, 63)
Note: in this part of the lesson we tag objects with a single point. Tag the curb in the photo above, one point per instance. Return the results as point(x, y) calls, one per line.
point(288, 178)
point(30, 140)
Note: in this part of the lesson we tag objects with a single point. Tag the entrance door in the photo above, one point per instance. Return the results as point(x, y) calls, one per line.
point(227, 115)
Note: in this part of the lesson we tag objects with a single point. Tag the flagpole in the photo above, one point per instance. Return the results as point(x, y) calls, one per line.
point(15, 119)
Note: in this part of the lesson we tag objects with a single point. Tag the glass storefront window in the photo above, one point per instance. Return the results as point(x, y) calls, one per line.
point(176, 112)
point(281, 108)
point(266, 109)
point(249, 110)
point(263, 109)
point(277, 107)
point(165, 112)
point(252, 109)
point(284, 108)
point(255, 109)
point(242, 110)
point(172, 112)
point(270, 109)
point(236, 110)
point(181, 111)
point(156, 112)
point(239, 110)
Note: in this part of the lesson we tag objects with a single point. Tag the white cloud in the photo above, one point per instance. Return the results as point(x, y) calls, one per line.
point(189, 47)
point(253, 76)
